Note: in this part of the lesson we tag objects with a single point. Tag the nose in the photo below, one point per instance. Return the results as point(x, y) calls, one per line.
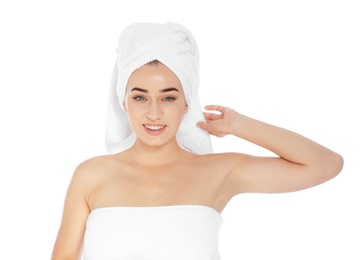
point(154, 111)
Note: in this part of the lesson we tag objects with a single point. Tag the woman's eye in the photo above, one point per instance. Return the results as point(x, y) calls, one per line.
point(139, 98)
point(169, 99)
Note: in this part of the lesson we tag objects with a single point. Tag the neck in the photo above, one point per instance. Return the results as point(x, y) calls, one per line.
point(156, 156)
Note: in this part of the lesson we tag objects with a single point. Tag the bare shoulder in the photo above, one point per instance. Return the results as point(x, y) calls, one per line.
point(91, 171)
point(93, 165)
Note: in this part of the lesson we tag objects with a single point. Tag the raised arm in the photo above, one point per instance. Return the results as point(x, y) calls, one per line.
point(302, 163)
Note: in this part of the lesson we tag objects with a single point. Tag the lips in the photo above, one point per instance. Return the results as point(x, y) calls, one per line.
point(154, 129)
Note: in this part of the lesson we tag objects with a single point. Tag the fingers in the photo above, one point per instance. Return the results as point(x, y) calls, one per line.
point(210, 116)
point(201, 125)
point(207, 128)
point(204, 126)
point(220, 111)
point(218, 108)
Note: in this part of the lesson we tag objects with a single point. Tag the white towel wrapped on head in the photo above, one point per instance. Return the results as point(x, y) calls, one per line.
point(173, 45)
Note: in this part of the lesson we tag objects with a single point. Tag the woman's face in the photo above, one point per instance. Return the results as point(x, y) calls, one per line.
point(155, 103)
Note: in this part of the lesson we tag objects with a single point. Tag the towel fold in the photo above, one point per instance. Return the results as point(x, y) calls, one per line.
point(173, 45)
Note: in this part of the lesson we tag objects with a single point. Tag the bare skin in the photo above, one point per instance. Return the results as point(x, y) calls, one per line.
point(157, 172)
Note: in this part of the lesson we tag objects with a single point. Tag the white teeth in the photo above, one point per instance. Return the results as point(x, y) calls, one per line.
point(154, 127)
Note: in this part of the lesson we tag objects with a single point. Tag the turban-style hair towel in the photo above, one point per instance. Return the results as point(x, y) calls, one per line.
point(173, 45)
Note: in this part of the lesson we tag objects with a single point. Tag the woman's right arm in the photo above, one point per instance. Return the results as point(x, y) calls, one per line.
point(69, 241)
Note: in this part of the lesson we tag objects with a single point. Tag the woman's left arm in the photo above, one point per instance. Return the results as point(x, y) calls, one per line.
point(302, 163)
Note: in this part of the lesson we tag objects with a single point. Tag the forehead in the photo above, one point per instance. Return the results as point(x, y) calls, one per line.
point(154, 75)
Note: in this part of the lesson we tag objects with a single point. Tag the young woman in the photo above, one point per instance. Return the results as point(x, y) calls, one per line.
point(160, 193)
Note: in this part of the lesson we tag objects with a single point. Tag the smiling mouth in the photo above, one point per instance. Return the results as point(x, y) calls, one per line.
point(154, 127)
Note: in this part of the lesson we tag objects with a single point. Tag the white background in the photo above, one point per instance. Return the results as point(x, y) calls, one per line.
point(295, 64)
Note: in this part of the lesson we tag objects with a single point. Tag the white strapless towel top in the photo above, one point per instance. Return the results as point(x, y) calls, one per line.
point(181, 232)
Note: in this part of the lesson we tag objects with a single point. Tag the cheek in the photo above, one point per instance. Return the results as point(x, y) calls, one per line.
point(175, 113)
point(132, 111)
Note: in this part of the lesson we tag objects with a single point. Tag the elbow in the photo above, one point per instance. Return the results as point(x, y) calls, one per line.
point(339, 164)
point(328, 168)
point(334, 165)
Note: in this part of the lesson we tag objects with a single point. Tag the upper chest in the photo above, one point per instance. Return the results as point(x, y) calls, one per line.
point(172, 177)
point(181, 183)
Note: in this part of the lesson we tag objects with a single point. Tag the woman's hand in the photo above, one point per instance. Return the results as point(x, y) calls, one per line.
point(220, 123)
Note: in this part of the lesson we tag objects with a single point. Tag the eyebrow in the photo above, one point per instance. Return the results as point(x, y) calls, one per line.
point(161, 90)
point(168, 90)
point(140, 89)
